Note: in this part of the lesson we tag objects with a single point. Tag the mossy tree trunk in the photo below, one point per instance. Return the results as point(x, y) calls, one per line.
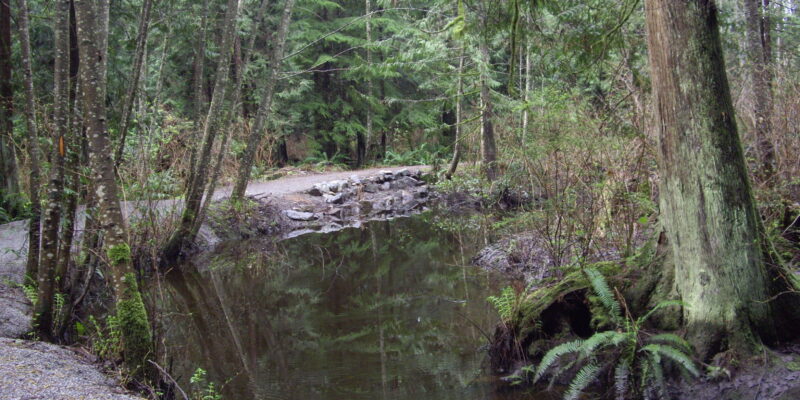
point(459, 117)
point(48, 274)
point(488, 147)
point(130, 310)
point(723, 270)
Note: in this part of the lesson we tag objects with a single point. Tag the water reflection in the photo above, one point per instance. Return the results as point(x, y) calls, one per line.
point(387, 311)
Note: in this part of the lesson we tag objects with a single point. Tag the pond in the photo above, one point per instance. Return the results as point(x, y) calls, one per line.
point(390, 310)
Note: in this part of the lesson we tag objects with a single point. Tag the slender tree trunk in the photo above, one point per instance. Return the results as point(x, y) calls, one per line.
point(759, 58)
point(133, 85)
point(459, 117)
point(9, 183)
point(368, 22)
point(488, 147)
point(199, 69)
point(34, 232)
point(184, 234)
point(264, 109)
point(527, 94)
point(131, 314)
point(48, 273)
point(707, 206)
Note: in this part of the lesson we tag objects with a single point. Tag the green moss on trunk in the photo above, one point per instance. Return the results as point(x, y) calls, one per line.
point(133, 325)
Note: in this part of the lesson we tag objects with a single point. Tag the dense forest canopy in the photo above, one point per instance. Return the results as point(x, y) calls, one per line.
point(598, 123)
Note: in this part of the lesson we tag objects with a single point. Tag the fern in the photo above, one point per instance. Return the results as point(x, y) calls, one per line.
point(600, 340)
point(605, 294)
point(505, 303)
point(622, 376)
point(675, 355)
point(582, 380)
point(673, 340)
point(659, 306)
point(554, 354)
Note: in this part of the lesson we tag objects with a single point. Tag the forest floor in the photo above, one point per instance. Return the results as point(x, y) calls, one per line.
point(40, 370)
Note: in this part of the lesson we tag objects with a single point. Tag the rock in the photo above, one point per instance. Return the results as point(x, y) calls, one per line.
point(407, 181)
point(371, 188)
point(299, 215)
point(355, 180)
point(402, 172)
point(337, 186)
point(386, 186)
point(315, 191)
point(365, 207)
point(337, 198)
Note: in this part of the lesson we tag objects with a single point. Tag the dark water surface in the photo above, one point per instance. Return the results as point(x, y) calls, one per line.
point(391, 310)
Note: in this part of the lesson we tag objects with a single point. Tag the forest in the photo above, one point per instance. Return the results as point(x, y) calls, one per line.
point(466, 199)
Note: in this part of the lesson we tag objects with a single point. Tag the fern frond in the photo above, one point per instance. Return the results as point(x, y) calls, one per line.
point(659, 306)
point(604, 293)
point(582, 380)
point(555, 353)
point(600, 340)
point(675, 355)
point(654, 360)
point(674, 340)
point(622, 376)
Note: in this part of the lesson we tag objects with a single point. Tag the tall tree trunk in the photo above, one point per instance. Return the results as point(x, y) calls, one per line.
point(706, 202)
point(133, 85)
point(198, 70)
point(34, 232)
point(527, 95)
point(184, 234)
point(459, 117)
point(131, 314)
point(488, 147)
point(368, 22)
point(759, 58)
point(48, 273)
point(265, 108)
point(9, 183)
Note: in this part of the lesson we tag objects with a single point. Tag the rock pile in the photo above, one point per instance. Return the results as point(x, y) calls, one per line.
point(342, 203)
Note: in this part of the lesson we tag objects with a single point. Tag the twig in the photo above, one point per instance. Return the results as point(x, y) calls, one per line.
point(168, 376)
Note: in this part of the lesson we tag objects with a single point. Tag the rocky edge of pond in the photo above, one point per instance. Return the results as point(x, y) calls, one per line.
point(325, 207)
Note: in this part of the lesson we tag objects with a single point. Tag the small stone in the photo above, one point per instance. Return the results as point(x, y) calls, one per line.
point(371, 188)
point(386, 186)
point(402, 172)
point(337, 198)
point(299, 215)
point(315, 191)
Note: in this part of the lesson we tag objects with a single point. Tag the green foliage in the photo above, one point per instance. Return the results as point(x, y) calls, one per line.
point(202, 388)
point(636, 357)
point(133, 325)
point(508, 304)
point(119, 254)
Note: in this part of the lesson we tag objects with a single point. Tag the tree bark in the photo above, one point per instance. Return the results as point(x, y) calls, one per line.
point(759, 58)
point(9, 183)
point(133, 85)
point(459, 117)
point(184, 234)
point(488, 147)
point(48, 273)
point(131, 313)
point(368, 22)
point(34, 232)
point(264, 109)
point(706, 202)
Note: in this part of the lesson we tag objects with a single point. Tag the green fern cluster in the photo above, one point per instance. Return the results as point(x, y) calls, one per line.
point(509, 304)
point(637, 358)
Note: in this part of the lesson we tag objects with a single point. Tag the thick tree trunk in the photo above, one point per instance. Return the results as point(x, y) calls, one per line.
point(48, 273)
point(184, 234)
point(759, 59)
point(34, 232)
point(264, 109)
point(132, 316)
point(133, 85)
point(488, 147)
point(9, 183)
point(707, 207)
point(459, 117)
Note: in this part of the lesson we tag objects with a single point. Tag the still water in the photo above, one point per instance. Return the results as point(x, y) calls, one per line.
point(391, 310)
